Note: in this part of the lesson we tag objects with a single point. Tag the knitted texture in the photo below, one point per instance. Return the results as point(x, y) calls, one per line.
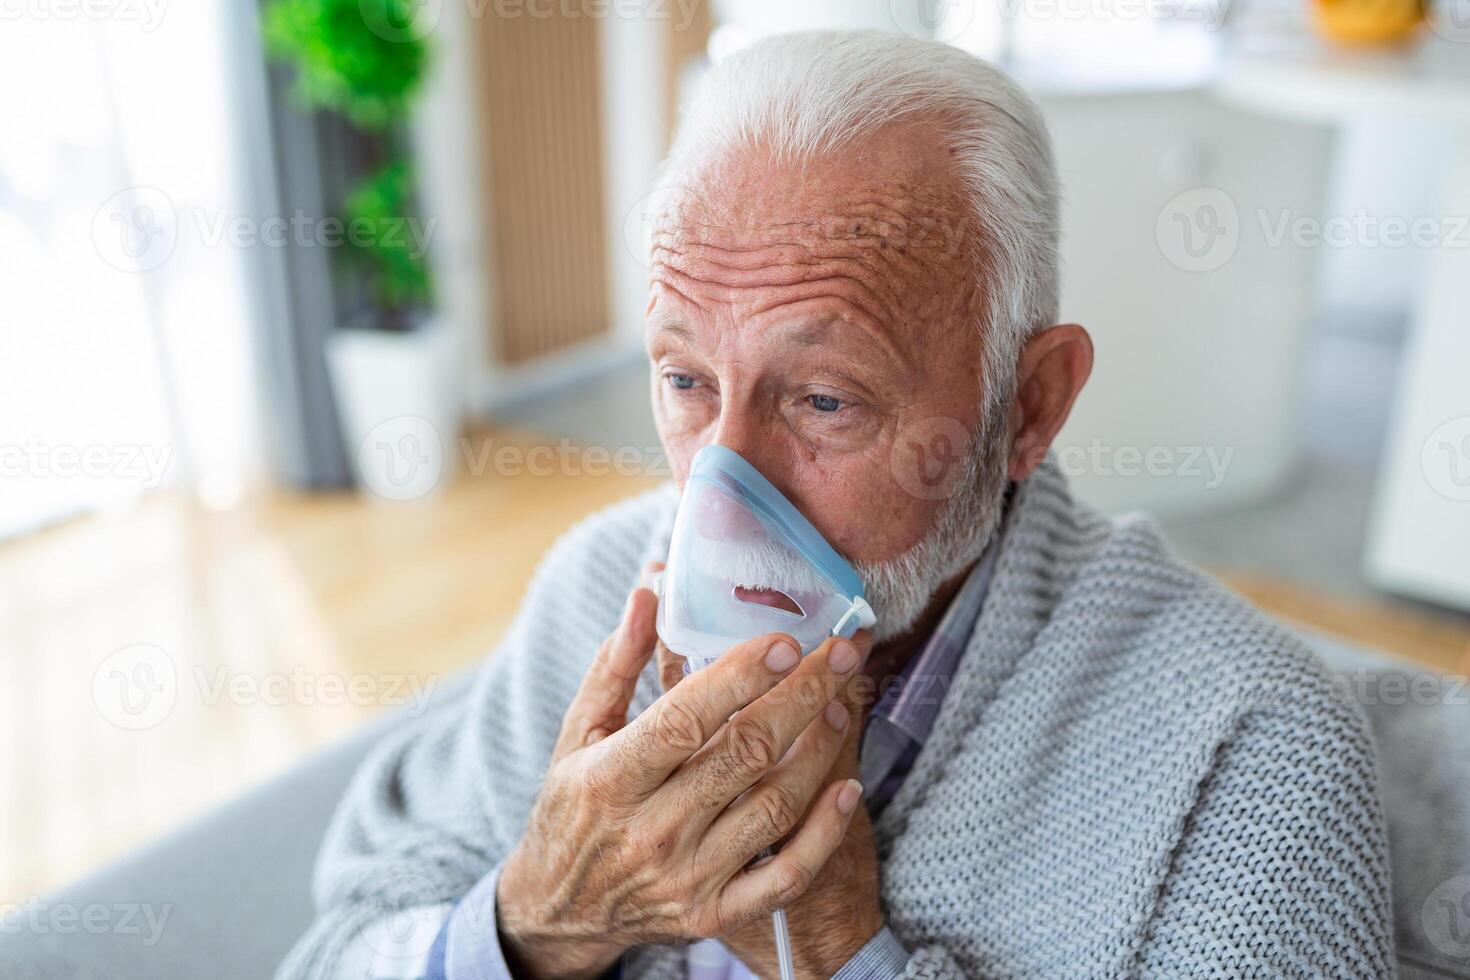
point(1133, 773)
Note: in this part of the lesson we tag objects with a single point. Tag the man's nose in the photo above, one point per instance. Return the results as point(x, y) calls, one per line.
point(752, 436)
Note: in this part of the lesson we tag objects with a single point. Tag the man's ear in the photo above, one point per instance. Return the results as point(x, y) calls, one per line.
point(1052, 368)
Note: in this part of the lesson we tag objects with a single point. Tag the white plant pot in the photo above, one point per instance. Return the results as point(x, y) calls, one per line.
point(399, 405)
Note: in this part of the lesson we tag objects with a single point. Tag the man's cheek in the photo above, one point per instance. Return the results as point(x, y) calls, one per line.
point(865, 519)
point(928, 458)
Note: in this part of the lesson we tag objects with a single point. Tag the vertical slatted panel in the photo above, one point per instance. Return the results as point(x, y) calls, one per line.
point(540, 88)
point(687, 39)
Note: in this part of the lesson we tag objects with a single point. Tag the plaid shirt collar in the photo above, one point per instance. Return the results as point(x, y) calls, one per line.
point(911, 702)
point(904, 716)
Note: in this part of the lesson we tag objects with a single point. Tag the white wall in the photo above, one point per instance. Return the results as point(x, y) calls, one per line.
point(1197, 360)
point(1387, 168)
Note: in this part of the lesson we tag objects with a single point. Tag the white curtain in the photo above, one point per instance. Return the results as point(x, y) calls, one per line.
point(123, 347)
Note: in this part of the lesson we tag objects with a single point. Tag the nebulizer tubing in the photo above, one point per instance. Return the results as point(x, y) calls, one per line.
point(778, 917)
point(700, 616)
point(783, 944)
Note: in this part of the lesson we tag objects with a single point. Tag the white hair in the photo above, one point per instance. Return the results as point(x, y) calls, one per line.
point(808, 94)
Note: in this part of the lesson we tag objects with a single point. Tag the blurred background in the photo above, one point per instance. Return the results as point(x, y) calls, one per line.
point(322, 319)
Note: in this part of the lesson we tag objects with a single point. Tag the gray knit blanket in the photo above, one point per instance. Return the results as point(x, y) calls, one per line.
point(1134, 773)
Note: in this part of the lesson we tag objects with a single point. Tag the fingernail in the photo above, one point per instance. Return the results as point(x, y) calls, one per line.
point(844, 657)
point(848, 796)
point(836, 715)
point(781, 657)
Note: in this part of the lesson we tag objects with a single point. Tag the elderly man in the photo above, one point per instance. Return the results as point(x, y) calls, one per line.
point(1061, 752)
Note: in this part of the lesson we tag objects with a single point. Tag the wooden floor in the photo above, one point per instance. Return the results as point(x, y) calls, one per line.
point(276, 627)
point(267, 615)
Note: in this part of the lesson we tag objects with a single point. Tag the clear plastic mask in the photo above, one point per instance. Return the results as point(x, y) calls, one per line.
point(743, 562)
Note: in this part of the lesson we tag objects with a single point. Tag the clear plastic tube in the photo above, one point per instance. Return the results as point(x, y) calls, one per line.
point(783, 945)
point(783, 934)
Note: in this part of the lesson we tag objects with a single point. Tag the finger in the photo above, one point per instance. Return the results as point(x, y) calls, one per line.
point(681, 721)
point(779, 882)
point(600, 706)
point(759, 735)
point(671, 667)
point(776, 804)
point(857, 697)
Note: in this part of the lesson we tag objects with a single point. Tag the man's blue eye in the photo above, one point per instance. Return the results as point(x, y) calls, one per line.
point(683, 382)
point(824, 403)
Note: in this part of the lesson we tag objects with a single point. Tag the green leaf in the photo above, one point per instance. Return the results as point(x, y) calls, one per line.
point(362, 58)
point(380, 235)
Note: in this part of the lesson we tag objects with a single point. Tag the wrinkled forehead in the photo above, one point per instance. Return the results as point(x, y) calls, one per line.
point(885, 219)
point(896, 190)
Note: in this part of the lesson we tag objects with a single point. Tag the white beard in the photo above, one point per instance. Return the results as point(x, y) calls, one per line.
point(900, 589)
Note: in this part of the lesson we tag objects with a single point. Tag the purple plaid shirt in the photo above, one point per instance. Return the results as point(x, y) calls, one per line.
point(904, 716)
point(468, 945)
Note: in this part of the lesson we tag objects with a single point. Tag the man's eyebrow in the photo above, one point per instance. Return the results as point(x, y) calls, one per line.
point(813, 333)
point(668, 325)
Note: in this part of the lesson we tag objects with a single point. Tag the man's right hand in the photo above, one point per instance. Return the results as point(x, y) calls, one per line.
point(642, 831)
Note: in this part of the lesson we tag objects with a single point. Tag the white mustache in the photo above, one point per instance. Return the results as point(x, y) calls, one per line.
point(759, 563)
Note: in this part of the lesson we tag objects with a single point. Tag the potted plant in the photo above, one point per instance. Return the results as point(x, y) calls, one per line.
point(392, 363)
